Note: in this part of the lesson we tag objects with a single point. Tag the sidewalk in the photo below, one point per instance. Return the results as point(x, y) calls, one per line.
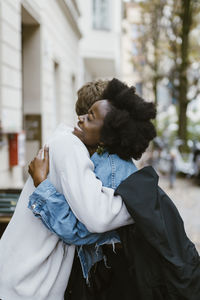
point(186, 196)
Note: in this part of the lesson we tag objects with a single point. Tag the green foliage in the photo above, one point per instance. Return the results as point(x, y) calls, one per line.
point(194, 130)
point(168, 46)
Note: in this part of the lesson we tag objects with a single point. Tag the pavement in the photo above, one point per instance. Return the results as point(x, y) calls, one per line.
point(186, 196)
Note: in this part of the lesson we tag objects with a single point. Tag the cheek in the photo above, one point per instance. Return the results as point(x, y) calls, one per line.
point(92, 137)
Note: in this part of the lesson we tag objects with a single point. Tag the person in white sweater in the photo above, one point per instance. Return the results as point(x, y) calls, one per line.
point(34, 263)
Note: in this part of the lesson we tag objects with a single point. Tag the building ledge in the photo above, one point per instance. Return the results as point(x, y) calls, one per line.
point(70, 8)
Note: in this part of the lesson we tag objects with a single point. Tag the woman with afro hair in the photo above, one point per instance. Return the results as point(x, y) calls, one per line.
point(127, 128)
point(116, 129)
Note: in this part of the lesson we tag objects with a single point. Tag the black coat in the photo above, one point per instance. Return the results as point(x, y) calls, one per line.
point(163, 262)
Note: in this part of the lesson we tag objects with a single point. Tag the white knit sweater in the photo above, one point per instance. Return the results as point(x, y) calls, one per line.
point(34, 263)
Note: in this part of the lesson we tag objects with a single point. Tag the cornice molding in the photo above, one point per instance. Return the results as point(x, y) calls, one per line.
point(31, 10)
point(72, 13)
point(76, 7)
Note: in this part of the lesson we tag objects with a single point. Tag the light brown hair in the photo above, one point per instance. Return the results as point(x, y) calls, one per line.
point(88, 94)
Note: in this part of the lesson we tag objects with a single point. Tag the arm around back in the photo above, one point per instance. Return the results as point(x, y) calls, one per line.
point(94, 205)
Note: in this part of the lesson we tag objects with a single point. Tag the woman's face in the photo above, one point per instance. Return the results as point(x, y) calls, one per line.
point(89, 126)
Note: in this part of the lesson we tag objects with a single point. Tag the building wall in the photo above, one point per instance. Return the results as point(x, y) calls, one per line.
point(43, 61)
point(11, 85)
point(130, 73)
point(101, 47)
point(39, 72)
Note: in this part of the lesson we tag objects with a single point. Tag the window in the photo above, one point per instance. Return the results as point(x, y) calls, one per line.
point(101, 15)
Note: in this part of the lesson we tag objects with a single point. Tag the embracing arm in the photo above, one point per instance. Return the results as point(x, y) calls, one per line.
point(52, 208)
point(94, 205)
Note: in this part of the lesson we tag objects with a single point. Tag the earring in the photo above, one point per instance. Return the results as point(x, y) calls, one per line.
point(100, 150)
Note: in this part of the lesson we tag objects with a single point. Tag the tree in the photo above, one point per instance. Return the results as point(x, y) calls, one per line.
point(168, 49)
point(182, 22)
point(149, 44)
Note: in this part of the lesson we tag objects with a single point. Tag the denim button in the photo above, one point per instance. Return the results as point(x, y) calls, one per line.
point(33, 206)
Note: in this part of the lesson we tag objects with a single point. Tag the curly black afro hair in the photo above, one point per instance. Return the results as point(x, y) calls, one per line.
point(127, 128)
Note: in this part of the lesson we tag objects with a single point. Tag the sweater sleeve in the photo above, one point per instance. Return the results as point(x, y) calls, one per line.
point(52, 208)
point(94, 205)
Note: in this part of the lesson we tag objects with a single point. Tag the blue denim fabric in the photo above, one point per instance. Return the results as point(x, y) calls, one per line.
point(52, 208)
point(111, 169)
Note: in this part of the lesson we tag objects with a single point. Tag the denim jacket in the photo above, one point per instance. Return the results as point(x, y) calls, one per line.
point(52, 208)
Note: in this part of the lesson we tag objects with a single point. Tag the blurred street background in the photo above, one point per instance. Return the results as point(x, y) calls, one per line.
point(49, 49)
point(186, 198)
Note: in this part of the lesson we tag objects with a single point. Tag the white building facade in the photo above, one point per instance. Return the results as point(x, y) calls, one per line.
point(48, 49)
point(132, 57)
point(100, 46)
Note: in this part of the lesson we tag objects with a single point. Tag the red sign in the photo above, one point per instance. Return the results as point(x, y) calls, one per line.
point(13, 149)
point(16, 149)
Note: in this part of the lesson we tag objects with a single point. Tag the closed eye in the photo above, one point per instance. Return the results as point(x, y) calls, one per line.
point(91, 114)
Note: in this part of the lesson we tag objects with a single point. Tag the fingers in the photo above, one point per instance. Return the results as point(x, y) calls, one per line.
point(30, 167)
point(40, 153)
point(46, 152)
